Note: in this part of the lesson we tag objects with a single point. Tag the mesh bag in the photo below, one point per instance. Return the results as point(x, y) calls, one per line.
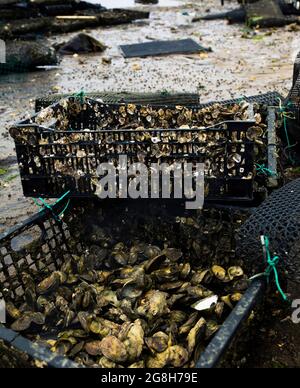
point(293, 103)
point(279, 219)
point(294, 95)
point(160, 98)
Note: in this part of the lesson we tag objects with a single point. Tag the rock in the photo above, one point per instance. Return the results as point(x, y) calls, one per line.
point(234, 16)
point(22, 56)
point(81, 43)
point(265, 13)
point(6, 2)
point(106, 61)
point(46, 25)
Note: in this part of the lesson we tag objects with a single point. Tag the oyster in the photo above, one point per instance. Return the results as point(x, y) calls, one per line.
point(93, 348)
point(178, 356)
point(158, 343)
point(104, 327)
point(51, 283)
point(113, 349)
point(12, 311)
point(106, 363)
point(195, 333)
point(153, 305)
point(25, 321)
point(219, 272)
point(189, 324)
point(173, 254)
point(236, 297)
point(134, 341)
point(254, 133)
point(175, 356)
point(235, 272)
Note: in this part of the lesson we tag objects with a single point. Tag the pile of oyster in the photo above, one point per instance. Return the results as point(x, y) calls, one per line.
point(137, 316)
point(152, 299)
point(131, 116)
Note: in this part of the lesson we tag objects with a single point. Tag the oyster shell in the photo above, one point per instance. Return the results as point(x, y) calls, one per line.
point(158, 343)
point(51, 283)
point(153, 305)
point(113, 349)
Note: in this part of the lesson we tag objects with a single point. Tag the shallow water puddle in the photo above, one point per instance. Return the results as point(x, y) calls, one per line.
point(132, 3)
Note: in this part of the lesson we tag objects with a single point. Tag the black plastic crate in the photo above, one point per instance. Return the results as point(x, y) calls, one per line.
point(41, 243)
point(162, 99)
point(53, 161)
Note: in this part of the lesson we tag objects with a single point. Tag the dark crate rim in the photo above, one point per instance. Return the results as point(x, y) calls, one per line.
point(209, 359)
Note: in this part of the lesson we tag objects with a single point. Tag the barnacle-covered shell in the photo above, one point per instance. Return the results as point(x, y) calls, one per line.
point(24, 322)
point(106, 363)
point(153, 305)
point(158, 343)
point(254, 133)
point(134, 341)
point(12, 311)
point(93, 348)
point(195, 333)
point(113, 349)
point(235, 272)
point(219, 272)
point(175, 356)
point(51, 283)
point(178, 356)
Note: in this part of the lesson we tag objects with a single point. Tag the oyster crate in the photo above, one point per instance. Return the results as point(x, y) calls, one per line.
point(41, 244)
point(64, 156)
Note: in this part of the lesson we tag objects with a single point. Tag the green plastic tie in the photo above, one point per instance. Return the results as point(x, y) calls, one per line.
point(80, 95)
point(44, 205)
point(241, 99)
point(272, 266)
point(262, 169)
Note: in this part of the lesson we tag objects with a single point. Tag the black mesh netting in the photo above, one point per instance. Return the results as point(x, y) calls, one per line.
point(279, 219)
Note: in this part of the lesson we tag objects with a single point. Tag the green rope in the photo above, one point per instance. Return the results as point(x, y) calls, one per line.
point(241, 99)
point(262, 169)
point(272, 266)
point(80, 95)
point(44, 205)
